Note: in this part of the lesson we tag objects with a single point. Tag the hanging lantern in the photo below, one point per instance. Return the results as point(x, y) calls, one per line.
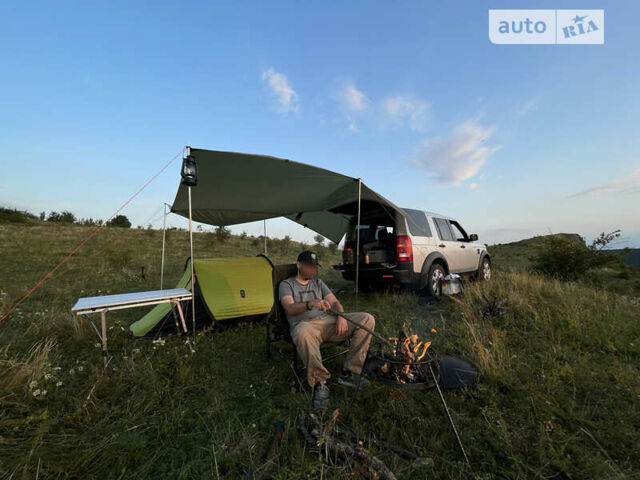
point(189, 171)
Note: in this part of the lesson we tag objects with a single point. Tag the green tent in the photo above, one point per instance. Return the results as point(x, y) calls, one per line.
point(226, 288)
point(238, 187)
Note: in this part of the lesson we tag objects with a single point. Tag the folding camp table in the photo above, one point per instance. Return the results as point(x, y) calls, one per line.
point(105, 303)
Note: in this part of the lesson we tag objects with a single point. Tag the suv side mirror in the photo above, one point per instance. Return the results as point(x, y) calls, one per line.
point(473, 237)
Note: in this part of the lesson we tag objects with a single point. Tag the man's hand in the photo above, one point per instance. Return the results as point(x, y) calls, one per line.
point(321, 305)
point(341, 326)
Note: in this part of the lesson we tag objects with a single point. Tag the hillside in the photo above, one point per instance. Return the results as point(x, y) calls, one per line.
point(621, 277)
point(631, 256)
point(557, 396)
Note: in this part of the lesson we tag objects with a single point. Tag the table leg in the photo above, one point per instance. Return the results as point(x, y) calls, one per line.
point(184, 325)
point(103, 318)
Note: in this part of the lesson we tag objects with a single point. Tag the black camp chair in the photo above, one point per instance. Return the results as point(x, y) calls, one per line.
point(278, 325)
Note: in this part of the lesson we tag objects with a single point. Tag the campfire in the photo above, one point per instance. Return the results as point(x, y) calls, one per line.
point(409, 365)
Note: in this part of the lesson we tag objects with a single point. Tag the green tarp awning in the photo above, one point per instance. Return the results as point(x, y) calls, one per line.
point(236, 188)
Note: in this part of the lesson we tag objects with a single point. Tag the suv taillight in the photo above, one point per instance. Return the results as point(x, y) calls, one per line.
point(404, 252)
point(347, 255)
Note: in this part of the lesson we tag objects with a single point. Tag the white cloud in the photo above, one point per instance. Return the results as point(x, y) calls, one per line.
point(627, 184)
point(528, 106)
point(352, 102)
point(352, 99)
point(280, 88)
point(409, 109)
point(457, 157)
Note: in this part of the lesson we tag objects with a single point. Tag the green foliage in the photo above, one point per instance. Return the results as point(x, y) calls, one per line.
point(285, 245)
point(569, 259)
point(119, 221)
point(89, 222)
point(222, 234)
point(61, 217)
point(8, 215)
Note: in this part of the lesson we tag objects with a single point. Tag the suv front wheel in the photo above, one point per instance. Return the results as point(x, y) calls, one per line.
point(484, 272)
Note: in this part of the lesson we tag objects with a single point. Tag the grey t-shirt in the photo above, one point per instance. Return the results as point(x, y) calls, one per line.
point(314, 289)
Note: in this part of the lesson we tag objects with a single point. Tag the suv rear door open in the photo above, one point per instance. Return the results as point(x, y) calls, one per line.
point(421, 237)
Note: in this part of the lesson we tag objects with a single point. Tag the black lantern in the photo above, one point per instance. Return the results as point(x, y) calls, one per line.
point(189, 171)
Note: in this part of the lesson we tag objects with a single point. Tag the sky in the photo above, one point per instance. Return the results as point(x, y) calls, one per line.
point(412, 97)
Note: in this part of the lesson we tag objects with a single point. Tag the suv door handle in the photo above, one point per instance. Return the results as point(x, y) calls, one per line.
point(442, 245)
point(462, 246)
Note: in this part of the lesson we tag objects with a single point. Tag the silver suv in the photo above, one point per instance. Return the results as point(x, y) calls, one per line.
point(413, 250)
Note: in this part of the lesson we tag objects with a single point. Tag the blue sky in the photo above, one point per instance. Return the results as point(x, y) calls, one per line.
point(512, 140)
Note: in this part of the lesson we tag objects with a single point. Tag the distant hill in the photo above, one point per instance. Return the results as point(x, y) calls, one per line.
point(631, 256)
point(529, 242)
point(518, 252)
point(13, 215)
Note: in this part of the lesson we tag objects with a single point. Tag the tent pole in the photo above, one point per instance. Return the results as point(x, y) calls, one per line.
point(164, 230)
point(265, 237)
point(193, 283)
point(358, 241)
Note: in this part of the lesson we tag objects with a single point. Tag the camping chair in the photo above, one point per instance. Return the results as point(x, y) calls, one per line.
point(278, 325)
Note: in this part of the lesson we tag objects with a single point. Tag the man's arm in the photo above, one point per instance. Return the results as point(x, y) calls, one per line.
point(296, 308)
point(341, 323)
point(291, 307)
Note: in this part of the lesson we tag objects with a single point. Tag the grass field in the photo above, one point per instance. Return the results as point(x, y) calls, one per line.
point(558, 393)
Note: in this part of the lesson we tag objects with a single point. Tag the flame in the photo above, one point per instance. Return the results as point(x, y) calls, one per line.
point(412, 346)
point(411, 350)
point(424, 350)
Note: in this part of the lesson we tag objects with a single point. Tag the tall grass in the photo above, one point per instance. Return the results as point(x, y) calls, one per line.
point(557, 396)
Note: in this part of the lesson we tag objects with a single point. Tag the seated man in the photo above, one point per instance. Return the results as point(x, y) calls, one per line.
point(305, 299)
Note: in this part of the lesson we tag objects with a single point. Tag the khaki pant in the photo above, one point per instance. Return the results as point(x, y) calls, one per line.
point(309, 334)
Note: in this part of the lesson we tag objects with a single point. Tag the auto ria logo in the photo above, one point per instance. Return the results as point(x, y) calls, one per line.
point(546, 26)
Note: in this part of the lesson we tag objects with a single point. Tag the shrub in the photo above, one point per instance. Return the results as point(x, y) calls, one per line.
point(61, 217)
point(285, 245)
point(119, 221)
point(568, 258)
point(222, 234)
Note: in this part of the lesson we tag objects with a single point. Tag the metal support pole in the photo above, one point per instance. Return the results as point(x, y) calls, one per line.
point(193, 282)
point(164, 231)
point(446, 409)
point(265, 237)
point(358, 242)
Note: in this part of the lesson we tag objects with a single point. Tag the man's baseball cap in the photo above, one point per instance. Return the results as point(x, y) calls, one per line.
point(308, 257)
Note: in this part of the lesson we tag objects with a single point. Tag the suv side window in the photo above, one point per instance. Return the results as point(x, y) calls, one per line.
point(417, 222)
point(458, 231)
point(444, 231)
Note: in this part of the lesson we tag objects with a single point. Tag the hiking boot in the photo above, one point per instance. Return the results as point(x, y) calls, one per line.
point(350, 379)
point(320, 396)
